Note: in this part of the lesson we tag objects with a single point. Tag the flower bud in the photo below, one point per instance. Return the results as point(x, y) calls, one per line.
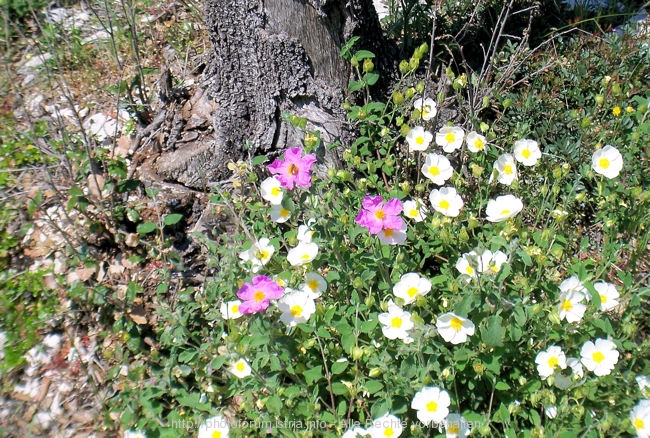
point(368, 65)
point(398, 97)
point(419, 87)
point(374, 373)
point(410, 92)
point(404, 67)
point(354, 62)
point(404, 130)
point(414, 63)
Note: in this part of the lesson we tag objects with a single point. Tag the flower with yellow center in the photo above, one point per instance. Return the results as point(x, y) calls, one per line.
point(607, 161)
point(475, 142)
point(456, 426)
point(503, 207)
point(279, 214)
point(418, 139)
point(454, 328)
point(296, 306)
point(608, 295)
point(468, 264)
point(258, 254)
point(314, 284)
point(134, 434)
point(446, 201)
point(230, 309)
point(432, 404)
point(599, 357)
point(427, 107)
point(240, 369)
point(549, 360)
point(527, 152)
point(640, 418)
point(396, 323)
point(303, 253)
point(571, 307)
point(450, 138)
point(414, 209)
point(437, 168)
point(271, 190)
point(410, 286)
point(506, 169)
point(215, 427)
point(386, 426)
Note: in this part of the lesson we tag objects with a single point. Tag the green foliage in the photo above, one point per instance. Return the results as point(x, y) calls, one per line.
point(338, 368)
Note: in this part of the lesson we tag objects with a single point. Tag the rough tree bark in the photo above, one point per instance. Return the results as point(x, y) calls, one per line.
point(269, 57)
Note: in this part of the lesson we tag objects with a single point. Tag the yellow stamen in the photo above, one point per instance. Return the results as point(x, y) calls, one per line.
point(553, 362)
point(604, 163)
point(450, 137)
point(296, 311)
point(444, 204)
point(567, 305)
point(292, 169)
point(432, 406)
point(598, 357)
point(259, 296)
point(412, 291)
point(419, 140)
point(456, 323)
point(434, 171)
point(396, 322)
point(525, 153)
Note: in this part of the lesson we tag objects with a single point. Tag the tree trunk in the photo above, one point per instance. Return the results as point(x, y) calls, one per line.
point(269, 57)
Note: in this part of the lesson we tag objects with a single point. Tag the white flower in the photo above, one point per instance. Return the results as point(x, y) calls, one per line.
point(550, 359)
point(303, 253)
point(607, 161)
point(527, 152)
point(414, 209)
point(503, 207)
point(491, 262)
point(230, 309)
point(450, 138)
point(314, 284)
point(134, 434)
point(355, 433)
point(258, 254)
point(296, 307)
point(396, 322)
point(574, 284)
point(599, 357)
point(640, 418)
point(456, 426)
point(571, 307)
point(608, 295)
point(644, 385)
point(279, 214)
point(563, 381)
point(3, 341)
point(437, 168)
point(272, 190)
point(431, 404)
point(550, 411)
point(475, 142)
point(427, 107)
point(386, 426)
point(240, 369)
point(215, 427)
point(467, 264)
point(418, 139)
point(454, 328)
point(446, 201)
point(392, 236)
point(410, 286)
point(507, 169)
point(305, 234)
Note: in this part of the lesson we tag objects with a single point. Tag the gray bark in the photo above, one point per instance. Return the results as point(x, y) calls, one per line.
point(269, 57)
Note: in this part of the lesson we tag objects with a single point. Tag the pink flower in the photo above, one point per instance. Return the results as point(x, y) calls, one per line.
point(294, 169)
point(256, 296)
point(377, 216)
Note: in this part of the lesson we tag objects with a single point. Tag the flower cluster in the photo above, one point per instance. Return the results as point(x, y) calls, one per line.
point(383, 219)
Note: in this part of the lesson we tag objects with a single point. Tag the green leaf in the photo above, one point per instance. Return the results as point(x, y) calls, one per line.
point(371, 78)
point(259, 160)
point(313, 375)
point(502, 386)
point(355, 86)
point(172, 219)
point(193, 401)
point(145, 227)
point(338, 388)
point(339, 367)
point(493, 332)
point(374, 386)
point(363, 54)
point(345, 50)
